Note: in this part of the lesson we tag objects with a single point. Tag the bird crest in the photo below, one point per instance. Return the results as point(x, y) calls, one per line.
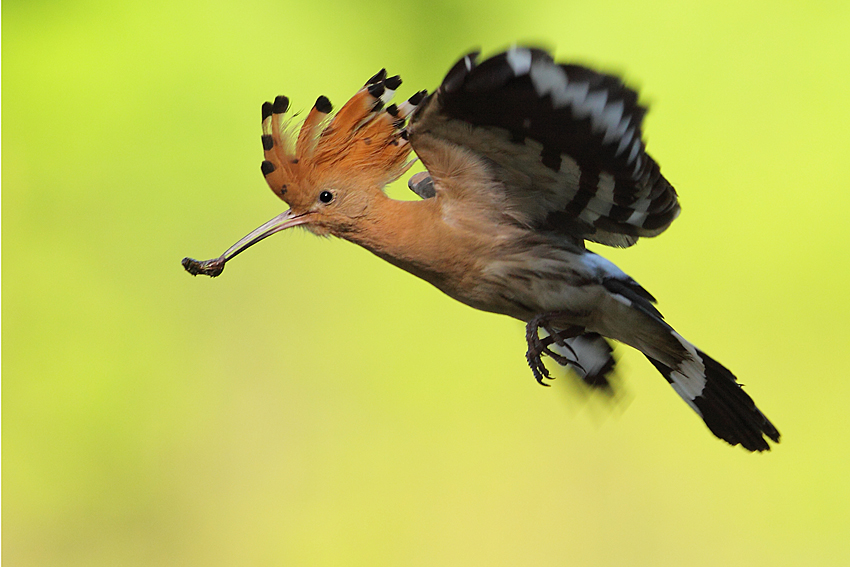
point(364, 141)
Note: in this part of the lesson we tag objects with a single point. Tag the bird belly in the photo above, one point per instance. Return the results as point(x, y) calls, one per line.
point(522, 286)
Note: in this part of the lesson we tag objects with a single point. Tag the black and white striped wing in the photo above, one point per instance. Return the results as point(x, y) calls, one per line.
point(563, 142)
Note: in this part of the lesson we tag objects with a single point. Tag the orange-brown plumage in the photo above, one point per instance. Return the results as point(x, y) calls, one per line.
point(313, 125)
point(361, 146)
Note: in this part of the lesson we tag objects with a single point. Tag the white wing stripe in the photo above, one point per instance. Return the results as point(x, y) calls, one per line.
point(605, 187)
point(550, 79)
point(519, 61)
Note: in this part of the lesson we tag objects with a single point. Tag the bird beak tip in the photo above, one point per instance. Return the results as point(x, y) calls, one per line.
point(215, 266)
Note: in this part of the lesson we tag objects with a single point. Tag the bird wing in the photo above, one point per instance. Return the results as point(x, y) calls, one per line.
point(559, 146)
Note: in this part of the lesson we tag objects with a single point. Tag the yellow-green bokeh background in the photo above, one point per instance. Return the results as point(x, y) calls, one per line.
point(315, 405)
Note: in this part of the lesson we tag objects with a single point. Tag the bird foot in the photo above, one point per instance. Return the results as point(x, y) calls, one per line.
point(537, 347)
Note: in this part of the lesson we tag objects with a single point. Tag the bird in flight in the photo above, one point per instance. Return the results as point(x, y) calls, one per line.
point(526, 160)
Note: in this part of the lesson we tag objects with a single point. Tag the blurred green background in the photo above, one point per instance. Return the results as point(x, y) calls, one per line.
point(315, 405)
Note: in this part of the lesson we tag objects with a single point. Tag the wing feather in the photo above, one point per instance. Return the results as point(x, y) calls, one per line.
point(562, 143)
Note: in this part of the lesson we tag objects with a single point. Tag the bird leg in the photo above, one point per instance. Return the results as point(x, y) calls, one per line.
point(537, 347)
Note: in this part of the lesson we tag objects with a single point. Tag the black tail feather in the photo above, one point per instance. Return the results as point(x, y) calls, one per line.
point(727, 410)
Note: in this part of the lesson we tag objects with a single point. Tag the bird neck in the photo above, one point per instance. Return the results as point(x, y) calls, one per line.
point(413, 236)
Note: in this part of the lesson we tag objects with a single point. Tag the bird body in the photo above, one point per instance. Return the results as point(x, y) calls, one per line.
point(526, 160)
point(489, 265)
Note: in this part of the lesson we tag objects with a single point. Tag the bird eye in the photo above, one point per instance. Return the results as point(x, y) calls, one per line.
point(326, 196)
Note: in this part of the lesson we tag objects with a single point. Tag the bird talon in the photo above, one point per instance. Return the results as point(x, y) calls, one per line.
point(538, 369)
point(537, 347)
point(559, 358)
point(556, 337)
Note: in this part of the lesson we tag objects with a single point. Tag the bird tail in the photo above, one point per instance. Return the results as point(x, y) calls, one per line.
point(715, 395)
point(707, 386)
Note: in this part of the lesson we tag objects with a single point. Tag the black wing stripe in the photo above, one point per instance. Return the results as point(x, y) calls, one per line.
point(568, 108)
point(457, 74)
point(564, 114)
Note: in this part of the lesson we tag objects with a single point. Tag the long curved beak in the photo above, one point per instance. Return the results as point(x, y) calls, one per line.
point(215, 266)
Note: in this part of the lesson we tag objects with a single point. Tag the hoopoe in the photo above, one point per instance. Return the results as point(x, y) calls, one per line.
point(526, 160)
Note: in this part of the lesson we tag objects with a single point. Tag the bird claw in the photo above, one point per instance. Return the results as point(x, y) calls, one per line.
point(537, 347)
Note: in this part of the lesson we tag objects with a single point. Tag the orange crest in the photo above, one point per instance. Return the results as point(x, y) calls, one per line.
point(363, 141)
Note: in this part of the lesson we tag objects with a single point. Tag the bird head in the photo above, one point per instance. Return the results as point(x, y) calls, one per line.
point(331, 168)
